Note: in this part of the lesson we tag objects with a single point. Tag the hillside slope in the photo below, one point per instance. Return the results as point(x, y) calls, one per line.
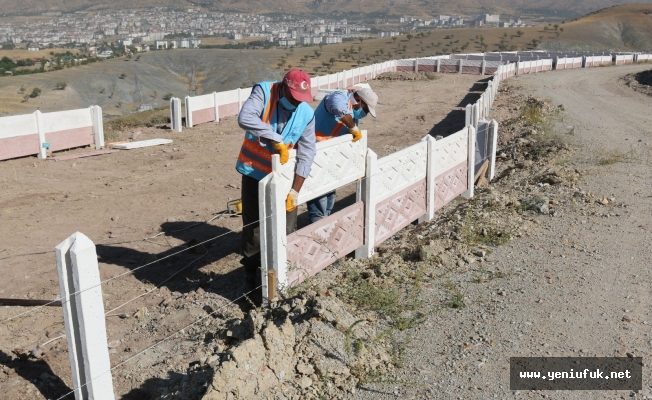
point(627, 27)
point(334, 7)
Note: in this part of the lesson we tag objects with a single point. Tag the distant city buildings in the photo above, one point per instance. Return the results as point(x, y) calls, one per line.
point(156, 26)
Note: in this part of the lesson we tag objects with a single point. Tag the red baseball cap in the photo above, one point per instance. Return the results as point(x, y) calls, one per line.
point(299, 83)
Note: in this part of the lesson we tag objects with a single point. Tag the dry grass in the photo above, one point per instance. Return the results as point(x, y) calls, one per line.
point(19, 53)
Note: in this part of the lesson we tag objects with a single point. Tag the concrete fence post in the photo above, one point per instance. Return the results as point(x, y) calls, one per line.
point(461, 65)
point(175, 114)
point(470, 167)
point(239, 100)
point(43, 149)
point(482, 65)
point(83, 315)
point(518, 68)
point(438, 65)
point(366, 192)
point(476, 116)
point(469, 115)
point(416, 64)
point(98, 126)
point(216, 103)
point(493, 142)
point(188, 113)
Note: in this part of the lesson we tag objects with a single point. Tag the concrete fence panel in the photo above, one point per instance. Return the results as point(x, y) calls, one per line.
point(450, 168)
point(19, 136)
point(68, 129)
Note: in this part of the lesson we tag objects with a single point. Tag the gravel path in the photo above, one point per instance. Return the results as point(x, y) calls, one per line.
point(576, 284)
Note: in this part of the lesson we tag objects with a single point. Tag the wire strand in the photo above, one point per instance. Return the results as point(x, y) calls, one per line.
point(160, 341)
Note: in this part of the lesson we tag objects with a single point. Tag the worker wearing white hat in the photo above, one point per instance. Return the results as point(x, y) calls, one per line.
point(339, 114)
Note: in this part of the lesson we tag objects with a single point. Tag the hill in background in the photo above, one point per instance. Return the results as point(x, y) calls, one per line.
point(342, 8)
point(622, 28)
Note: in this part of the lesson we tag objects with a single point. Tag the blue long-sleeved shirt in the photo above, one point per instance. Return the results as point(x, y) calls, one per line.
point(249, 120)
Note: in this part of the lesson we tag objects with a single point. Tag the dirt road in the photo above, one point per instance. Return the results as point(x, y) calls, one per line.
point(575, 284)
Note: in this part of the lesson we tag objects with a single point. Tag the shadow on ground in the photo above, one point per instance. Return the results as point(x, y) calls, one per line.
point(39, 373)
point(191, 386)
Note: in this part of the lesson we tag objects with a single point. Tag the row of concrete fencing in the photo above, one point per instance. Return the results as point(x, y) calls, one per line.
point(36, 133)
point(393, 191)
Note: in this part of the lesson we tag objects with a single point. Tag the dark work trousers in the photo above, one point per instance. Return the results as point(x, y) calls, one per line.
point(251, 230)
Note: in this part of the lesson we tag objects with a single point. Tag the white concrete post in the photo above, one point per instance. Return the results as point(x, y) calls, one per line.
point(98, 126)
point(476, 116)
point(482, 64)
point(430, 180)
point(416, 64)
point(175, 114)
point(43, 151)
point(188, 113)
point(367, 194)
point(518, 68)
point(461, 65)
point(239, 101)
point(265, 214)
point(438, 65)
point(278, 240)
point(494, 146)
point(83, 315)
point(470, 168)
point(216, 97)
point(469, 115)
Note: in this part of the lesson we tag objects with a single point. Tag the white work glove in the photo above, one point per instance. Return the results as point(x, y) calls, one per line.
point(291, 201)
point(357, 134)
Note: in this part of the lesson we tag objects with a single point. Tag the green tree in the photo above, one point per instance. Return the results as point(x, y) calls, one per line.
point(409, 37)
point(36, 92)
point(122, 75)
point(394, 39)
point(167, 96)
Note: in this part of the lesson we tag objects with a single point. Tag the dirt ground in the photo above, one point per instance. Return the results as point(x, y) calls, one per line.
point(118, 200)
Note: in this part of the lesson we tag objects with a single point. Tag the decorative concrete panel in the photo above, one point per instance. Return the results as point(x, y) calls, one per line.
point(405, 68)
point(398, 211)
point(448, 68)
point(203, 116)
point(318, 245)
point(227, 110)
point(338, 162)
point(399, 170)
point(451, 151)
point(450, 184)
point(19, 146)
point(466, 69)
point(427, 67)
point(69, 138)
point(490, 70)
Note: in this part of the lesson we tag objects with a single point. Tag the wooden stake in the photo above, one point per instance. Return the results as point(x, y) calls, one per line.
point(29, 302)
point(271, 284)
point(482, 171)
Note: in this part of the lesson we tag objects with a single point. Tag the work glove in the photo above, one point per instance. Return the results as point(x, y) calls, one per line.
point(283, 151)
point(291, 201)
point(357, 134)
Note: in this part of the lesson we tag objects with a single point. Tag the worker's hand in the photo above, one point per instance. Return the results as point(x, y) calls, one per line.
point(357, 134)
point(291, 201)
point(283, 151)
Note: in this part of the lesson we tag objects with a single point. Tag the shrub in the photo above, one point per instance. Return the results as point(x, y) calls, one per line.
point(60, 86)
point(35, 92)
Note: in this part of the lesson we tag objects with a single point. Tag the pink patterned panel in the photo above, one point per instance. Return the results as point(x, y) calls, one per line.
point(431, 68)
point(471, 70)
point(19, 146)
point(405, 68)
point(450, 184)
point(490, 70)
point(203, 116)
point(318, 245)
point(227, 110)
point(399, 211)
point(69, 138)
point(448, 68)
